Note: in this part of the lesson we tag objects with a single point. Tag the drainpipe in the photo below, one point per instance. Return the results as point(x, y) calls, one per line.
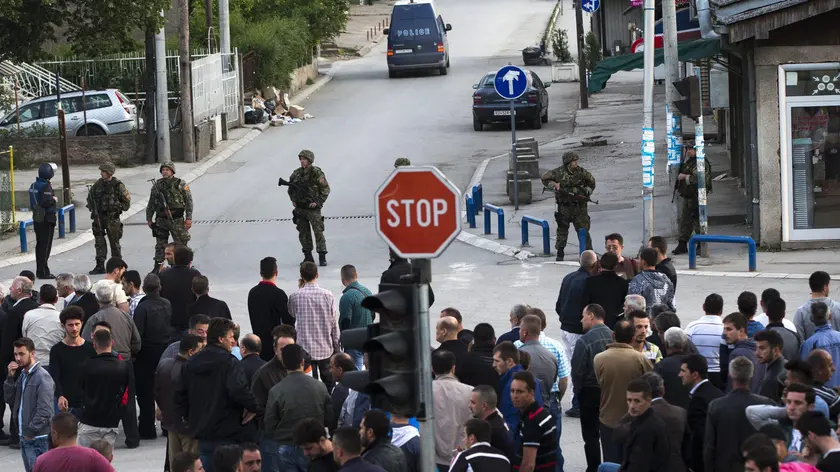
point(704, 15)
point(755, 203)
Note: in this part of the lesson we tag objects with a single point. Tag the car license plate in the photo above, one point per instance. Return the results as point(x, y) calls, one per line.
point(404, 51)
point(501, 113)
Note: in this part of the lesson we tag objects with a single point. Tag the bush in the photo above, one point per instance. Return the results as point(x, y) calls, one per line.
point(280, 47)
point(592, 51)
point(560, 46)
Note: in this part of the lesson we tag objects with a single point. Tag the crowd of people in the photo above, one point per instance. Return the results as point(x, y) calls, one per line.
point(743, 391)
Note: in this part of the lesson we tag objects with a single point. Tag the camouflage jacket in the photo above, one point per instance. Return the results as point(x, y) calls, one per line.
point(108, 197)
point(577, 181)
point(308, 185)
point(178, 198)
point(687, 187)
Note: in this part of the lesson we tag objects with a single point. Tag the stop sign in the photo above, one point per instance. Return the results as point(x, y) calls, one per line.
point(418, 212)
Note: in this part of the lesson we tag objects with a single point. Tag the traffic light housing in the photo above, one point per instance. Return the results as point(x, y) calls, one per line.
point(689, 88)
point(392, 380)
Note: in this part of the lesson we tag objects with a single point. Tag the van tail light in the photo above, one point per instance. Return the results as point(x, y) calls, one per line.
point(477, 100)
point(533, 97)
point(440, 48)
point(126, 106)
point(390, 52)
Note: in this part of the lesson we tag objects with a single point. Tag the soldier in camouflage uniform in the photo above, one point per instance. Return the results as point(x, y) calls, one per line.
point(572, 186)
point(308, 191)
point(401, 161)
point(107, 198)
point(169, 211)
point(689, 222)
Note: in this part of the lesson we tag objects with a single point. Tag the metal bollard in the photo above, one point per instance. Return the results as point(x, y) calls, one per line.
point(478, 195)
point(545, 232)
point(487, 209)
point(582, 239)
point(470, 212)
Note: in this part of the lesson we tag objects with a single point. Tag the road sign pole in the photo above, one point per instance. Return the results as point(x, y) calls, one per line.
point(423, 272)
point(514, 156)
point(648, 144)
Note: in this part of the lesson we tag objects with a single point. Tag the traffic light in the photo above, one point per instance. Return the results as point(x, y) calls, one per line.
point(392, 380)
point(689, 88)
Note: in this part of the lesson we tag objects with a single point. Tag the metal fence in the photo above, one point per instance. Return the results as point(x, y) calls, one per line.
point(215, 86)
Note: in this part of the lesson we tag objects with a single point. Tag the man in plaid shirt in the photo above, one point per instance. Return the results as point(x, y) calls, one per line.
point(313, 308)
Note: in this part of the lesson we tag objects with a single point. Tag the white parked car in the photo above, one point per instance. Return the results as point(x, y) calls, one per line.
point(108, 112)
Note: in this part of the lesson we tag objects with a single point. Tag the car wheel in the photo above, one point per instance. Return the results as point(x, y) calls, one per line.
point(537, 123)
point(447, 61)
point(392, 74)
point(544, 118)
point(477, 124)
point(444, 70)
point(92, 130)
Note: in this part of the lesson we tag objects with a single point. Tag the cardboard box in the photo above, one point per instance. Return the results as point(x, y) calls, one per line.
point(296, 111)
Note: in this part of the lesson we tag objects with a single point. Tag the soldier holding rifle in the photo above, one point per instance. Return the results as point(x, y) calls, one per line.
point(107, 199)
point(169, 211)
point(572, 185)
point(308, 190)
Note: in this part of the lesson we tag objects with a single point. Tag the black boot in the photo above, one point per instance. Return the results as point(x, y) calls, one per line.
point(99, 269)
point(682, 248)
point(322, 258)
point(560, 255)
point(307, 257)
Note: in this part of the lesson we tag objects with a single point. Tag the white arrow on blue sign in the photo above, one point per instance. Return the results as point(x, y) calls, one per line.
point(511, 82)
point(591, 6)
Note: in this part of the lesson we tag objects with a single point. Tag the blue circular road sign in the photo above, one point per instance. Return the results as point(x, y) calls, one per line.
point(511, 82)
point(590, 6)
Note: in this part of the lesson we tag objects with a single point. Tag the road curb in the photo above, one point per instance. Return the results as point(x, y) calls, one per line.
point(86, 236)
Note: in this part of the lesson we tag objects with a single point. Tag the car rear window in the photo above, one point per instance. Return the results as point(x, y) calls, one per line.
point(410, 12)
point(488, 81)
point(99, 100)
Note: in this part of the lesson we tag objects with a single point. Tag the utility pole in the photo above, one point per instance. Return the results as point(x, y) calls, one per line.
point(150, 98)
point(648, 144)
point(185, 68)
point(672, 73)
point(224, 29)
point(62, 144)
point(584, 91)
point(162, 97)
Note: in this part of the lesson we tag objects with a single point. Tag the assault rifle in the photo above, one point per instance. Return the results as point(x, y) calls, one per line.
point(156, 191)
point(573, 196)
point(281, 182)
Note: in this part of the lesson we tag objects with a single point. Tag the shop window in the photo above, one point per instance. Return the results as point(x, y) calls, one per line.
point(815, 158)
point(810, 83)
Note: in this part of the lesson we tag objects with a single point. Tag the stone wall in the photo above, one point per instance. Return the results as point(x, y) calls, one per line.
point(121, 149)
point(302, 75)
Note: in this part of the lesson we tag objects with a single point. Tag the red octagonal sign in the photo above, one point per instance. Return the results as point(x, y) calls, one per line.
point(418, 212)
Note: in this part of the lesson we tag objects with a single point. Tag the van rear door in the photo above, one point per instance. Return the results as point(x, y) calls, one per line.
point(414, 35)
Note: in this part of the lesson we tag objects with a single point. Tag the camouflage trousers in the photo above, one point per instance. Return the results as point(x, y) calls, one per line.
point(689, 222)
point(308, 222)
point(110, 226)
point(165, 227)
point(571, 213)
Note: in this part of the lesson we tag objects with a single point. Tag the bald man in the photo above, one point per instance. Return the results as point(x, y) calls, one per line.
point(250, 347)
point(446, 333)
point(822, 368)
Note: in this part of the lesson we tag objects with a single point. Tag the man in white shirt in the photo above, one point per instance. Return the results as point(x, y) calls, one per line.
point(766, 296)
point(42, 325)
point(115, 268)
point(707, 334)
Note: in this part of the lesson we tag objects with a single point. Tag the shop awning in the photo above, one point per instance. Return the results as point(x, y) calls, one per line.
point(688, 51)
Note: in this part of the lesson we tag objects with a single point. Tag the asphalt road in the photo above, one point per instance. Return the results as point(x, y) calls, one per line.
point(363, 122)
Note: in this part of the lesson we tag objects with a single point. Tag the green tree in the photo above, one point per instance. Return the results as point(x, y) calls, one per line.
point(592, 51)
point(280, 47)
point(325, 18)
point(25, 25)
point(100, 27)
point(560, 46)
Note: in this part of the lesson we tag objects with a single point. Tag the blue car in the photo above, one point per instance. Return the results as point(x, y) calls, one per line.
point(490, 107)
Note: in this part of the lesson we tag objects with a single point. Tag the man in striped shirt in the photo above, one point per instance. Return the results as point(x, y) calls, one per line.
point(479, 455)
point(538, 433)
point(707, 334)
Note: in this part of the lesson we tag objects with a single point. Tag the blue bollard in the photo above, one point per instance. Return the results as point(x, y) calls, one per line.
point(582, 239)
point(545, 232)
point(752, 250)
point(478, 195)
point(24, 247)
point(487, 209)
point(470, 211)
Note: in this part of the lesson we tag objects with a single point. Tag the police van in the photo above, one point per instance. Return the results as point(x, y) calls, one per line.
point(417, 38)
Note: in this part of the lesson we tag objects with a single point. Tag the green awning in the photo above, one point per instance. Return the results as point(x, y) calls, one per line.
point(688, 51)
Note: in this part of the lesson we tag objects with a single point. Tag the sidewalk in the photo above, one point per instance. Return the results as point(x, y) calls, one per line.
point(615, 114)
point(363, 30)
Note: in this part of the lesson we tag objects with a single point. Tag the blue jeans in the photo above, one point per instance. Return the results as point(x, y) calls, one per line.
point(608, 467)
point(206, 448)
point(30, 449)
point(358, 358)
point(270, 452)
point(557, 411)
point(292, 459)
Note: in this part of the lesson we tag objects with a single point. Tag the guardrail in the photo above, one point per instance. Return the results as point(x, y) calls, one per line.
point(487, 209)
point(69, 209)
point(710, 238)
point(545, 233)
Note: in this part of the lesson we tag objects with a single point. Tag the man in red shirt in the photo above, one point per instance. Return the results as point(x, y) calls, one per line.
point(66, 456)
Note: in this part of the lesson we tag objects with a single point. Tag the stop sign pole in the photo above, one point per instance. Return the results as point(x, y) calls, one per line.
point(418, 213)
